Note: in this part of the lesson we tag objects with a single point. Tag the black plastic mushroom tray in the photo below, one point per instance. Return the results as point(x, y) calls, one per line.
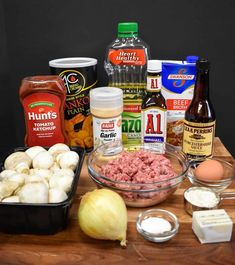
point(32, 218)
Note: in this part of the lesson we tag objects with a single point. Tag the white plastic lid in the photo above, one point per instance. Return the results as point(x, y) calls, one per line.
point(106, 97)
point(73, 62)
point(154, 66)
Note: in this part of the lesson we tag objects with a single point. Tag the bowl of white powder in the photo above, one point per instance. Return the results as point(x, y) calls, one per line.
point(200, 198)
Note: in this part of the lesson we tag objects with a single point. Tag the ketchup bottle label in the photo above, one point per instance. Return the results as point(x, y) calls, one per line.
point(42, 118)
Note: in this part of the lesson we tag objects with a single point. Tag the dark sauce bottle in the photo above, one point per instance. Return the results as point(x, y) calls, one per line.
point(199, 124)
point(154, 109)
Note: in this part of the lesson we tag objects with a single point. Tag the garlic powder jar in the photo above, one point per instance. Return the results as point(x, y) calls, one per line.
point(106, 104)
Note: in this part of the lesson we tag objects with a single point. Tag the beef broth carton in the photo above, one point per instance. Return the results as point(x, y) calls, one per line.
point(178, 79)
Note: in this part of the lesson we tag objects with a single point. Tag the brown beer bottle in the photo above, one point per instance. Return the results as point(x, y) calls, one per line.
point(199, 123)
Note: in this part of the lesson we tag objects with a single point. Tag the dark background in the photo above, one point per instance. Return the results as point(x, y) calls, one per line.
point(33, 32)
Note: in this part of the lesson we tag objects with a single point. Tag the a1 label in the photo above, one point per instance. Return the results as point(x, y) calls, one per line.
point(153, 126)
point(154, 84)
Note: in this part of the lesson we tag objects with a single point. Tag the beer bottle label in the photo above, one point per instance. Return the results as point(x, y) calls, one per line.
point(198, 138)
point(153, 126)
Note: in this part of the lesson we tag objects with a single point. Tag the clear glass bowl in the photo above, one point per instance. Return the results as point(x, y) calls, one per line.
point(158, 237)
point(137, 194)
point(216, 185)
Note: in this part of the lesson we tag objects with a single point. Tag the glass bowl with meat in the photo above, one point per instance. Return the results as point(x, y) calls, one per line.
point(142, 175)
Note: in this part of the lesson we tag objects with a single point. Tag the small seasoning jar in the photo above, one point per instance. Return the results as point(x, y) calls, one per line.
point(106, 104)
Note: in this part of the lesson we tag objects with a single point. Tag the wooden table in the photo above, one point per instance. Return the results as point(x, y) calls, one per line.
point(71, 246)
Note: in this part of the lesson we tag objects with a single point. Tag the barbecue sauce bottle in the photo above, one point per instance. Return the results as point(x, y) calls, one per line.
point(154, 109)
point(199, 123)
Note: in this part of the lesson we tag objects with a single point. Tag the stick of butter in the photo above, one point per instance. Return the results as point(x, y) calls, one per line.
point(212, 226)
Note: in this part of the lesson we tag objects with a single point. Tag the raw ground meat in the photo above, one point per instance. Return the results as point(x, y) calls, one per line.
point(139, 167)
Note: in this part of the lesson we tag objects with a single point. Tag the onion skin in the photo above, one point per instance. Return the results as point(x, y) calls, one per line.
point(102, 214)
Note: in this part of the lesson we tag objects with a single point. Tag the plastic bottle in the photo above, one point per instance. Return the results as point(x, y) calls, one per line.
point(106, 105)
point(43, 99)
point(154, 109)
point(125, 64)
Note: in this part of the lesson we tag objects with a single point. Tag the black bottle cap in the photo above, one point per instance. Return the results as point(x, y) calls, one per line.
point(203, 64)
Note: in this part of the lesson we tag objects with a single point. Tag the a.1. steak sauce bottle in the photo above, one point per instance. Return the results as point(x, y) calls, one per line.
point(154, 109)
point(43, 99)
point(199, 124)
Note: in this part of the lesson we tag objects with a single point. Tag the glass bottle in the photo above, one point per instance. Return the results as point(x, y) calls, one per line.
point(154, 109)
point(200, 118)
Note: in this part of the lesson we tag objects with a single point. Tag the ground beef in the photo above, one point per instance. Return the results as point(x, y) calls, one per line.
point(138, 167)
point(145, 169)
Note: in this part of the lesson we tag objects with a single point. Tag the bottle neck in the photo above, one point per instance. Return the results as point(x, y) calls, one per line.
point(201, 91)
point(154, 82)
point(127, 35)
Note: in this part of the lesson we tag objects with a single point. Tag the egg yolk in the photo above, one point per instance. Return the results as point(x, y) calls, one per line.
point(209, 170)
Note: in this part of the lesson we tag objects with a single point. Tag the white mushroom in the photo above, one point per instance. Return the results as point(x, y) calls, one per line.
point(14, 198)
point(61, 182)
point(57, 195)
point(45, 173)
point(18, 161)
point(55, 167)
point(34, 150)
point(64, 172)
point(43, 160)
point(36, 178)
point(7, 188)
point(17, 177)
point(22, 167)
point(36, 192)
point(57, 149)
point(6, 173)
point(68, 159)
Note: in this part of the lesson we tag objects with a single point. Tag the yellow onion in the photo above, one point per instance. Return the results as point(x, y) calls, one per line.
point(102, 214)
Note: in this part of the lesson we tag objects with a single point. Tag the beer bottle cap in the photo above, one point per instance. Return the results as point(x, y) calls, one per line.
point(127, 29)
point(154, 66)
point(203, 64)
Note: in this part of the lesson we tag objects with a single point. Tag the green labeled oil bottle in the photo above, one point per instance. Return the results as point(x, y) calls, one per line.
point(200, 118)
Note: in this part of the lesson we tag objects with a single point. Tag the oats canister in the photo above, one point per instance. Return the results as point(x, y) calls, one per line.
point(79, 75)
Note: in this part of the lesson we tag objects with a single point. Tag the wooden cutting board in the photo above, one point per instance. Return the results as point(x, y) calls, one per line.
point(72, 247)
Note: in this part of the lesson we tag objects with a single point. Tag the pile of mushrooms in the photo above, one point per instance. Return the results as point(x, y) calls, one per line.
point(38, 175)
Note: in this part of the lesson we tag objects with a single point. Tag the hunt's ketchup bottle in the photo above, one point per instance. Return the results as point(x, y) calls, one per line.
point(154, 109)
point(43, 99)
